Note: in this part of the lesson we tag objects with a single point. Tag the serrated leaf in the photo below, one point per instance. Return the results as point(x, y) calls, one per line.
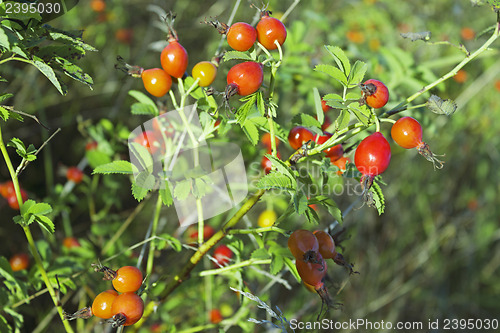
point(335, 101)
point(414, 36)
point(139, 192)
point(277, 264)
point(439, 106)
point(231, 55)
point(97, 158)
point(49, 73)
point(260, 254)
point(378, 197)
point(121, 167)
point(18, 145)
point(340, 58)
point(362, 113)
point(143, 98)
point(300, 202)
point(334, 72)
point(342, 120)
point(251, 132)
point(21, 14)
point(246, 108)
point(4, 39)
point(166, 196)
point(4, 113)
point(75, 72)
point(174, 242)
point(281, 167)
point(45, 223)
point(320, 115)
point(41, 208)
point(275, 180)
point(142, 155)
point(142, 109)
point(4, 97)
point(357, 74)
point(306, 120)
point(311, 215)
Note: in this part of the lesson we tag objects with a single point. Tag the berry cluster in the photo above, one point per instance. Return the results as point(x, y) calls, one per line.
point(120, 306)
point(310, 250)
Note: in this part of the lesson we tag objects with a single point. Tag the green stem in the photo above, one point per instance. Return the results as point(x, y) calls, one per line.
point(256, 231)
point(152, 246)
point(245, 263)
point(29, 236)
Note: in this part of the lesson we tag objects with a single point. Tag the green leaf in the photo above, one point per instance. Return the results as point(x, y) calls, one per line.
point(49, 73)
point(41, 208)
point(340, 58)
point(357, 74)
point(145, 180)
point(342, 120)
point(122, 167)
point(22, 15)
point(277, 264)
point(139, 192)
point(275, 180)
point(281, 167)
point(166, 196)
point(300, 202)
point(202, 186)
point(143, 109)
point(4, 97)
point(143, 98)
point(251, 132)
point(74, 72)
point(378, 197)
point(4, 39)
point(260, 254)
point(306, 120)
point(334, 72)
point(335, 101)
point(45, 223)
point(293, 268)
point(439, 106)
point(4, 113)
point(97, 157)
point(172, 241)
point(362, 113)
point(231, 55)
point(182, 189)
point(320, 115)
point(245, 109)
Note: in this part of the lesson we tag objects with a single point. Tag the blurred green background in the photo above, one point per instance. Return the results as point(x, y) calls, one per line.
point(434, 253)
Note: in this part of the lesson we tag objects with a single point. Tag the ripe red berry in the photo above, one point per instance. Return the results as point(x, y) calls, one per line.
point(71, 242)
point(205, 71)
point(12, 199)
point(326, 244)
point(324, 106)
point(174, 59)
point(298, 136)
point(241, 36)
point(334, 152)
point(74, 174)
point(208, 231)
point(375, 93)
point(102, 305)
point(127, 309)
point(148, 140)
point(222, 255)
point(303, 245)
point(407, 132)
point(244, 79)
point(91, 145)
point(373, 155)
point(215, 316)
point(128, 279)
point(156, 81)
point(341, 163)
point(19, 262)
point(266, 141)
point(312, 273)
point(7, 188)
point(269, 30)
